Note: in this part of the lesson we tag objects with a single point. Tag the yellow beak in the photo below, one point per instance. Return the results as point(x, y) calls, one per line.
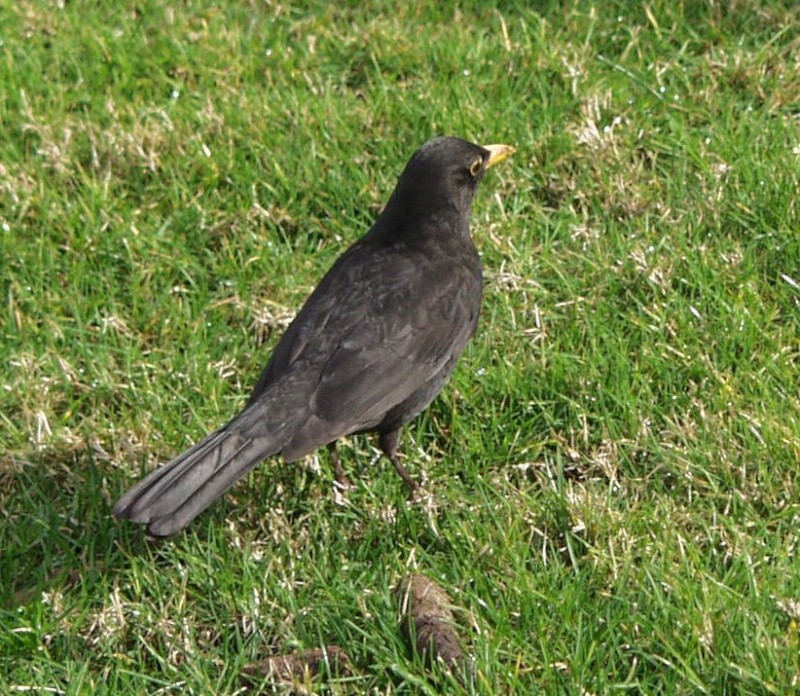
point(497, 153)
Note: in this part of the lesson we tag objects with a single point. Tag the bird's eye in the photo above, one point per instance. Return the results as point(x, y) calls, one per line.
point(475, 167)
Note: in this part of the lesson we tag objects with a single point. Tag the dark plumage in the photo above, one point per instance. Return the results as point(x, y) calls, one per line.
point(370, 349)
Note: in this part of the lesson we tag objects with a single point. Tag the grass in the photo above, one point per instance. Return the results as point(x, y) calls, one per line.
point(613, 470)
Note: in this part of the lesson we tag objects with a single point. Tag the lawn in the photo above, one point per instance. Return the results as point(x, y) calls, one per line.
point(612, 476)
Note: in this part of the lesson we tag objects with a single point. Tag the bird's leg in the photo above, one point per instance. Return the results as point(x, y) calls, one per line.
point(338, 469)
point(388, 443)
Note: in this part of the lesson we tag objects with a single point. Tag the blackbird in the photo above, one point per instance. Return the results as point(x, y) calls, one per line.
point(370, 349)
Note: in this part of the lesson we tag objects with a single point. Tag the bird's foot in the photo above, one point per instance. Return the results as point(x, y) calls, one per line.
point(342, 484)
point(415, 492)
point(411, 484)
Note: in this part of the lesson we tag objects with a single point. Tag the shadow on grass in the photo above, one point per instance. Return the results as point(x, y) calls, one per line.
point(56, 531)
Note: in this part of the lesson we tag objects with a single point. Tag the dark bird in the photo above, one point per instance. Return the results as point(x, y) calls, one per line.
point(370, 349)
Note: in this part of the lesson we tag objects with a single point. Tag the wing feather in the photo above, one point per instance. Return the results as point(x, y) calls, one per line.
point(385, 336)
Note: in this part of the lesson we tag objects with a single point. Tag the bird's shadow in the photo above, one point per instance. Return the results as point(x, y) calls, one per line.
point(57, 532)
point(54, 525)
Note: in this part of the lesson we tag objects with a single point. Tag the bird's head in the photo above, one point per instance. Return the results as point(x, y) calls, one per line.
point(442, 176)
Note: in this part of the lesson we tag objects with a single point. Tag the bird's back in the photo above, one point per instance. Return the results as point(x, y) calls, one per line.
point(378, 336)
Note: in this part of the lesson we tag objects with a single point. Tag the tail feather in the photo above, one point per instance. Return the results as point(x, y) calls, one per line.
point(173, 495)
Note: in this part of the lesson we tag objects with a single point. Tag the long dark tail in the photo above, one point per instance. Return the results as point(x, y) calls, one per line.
point(170, 497)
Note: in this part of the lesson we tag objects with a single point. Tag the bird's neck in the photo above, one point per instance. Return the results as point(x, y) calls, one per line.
point(426, 231)
point(417, 212)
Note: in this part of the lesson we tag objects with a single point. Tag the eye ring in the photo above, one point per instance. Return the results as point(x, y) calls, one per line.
point(475, 167)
